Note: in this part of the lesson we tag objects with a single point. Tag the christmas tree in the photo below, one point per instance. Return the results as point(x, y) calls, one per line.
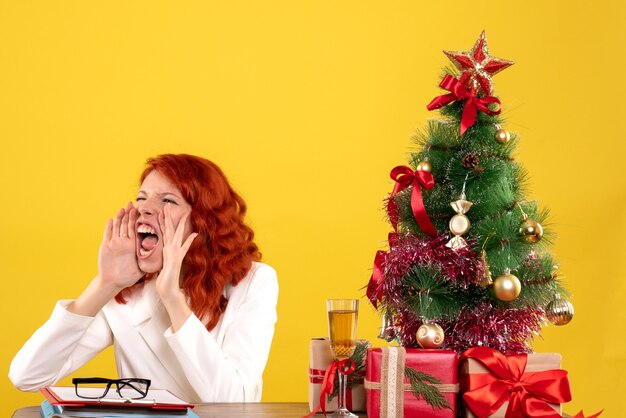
point(468, 261)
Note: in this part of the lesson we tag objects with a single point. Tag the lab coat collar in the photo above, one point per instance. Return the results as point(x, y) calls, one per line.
point(151, 320)
point(144, 305)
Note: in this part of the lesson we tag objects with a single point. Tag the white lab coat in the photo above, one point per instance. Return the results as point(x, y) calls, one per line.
point(223, 365)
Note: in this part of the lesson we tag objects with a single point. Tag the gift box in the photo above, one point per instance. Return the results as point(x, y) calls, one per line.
point(410, 382)
point(529, 385)
point(321, 357)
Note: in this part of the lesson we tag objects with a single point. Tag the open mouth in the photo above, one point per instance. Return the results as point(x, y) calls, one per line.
point(147, 240)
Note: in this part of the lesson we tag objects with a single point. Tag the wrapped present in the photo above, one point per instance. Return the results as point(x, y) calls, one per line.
point(519, 385)
point(321, 358)
point(410, 382)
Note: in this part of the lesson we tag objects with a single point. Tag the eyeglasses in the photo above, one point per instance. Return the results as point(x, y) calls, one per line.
point(98, 387)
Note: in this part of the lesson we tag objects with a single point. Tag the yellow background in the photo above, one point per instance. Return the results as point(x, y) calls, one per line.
point(306, 106)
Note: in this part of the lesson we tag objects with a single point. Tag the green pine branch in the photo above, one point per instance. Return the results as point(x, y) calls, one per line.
point(429, 295)
point(422, 387)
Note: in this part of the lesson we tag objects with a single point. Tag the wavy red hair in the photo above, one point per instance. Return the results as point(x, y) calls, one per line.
point(224, 249)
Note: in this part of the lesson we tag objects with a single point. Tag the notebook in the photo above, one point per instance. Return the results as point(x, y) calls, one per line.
point(56, 411)
point(156, 399)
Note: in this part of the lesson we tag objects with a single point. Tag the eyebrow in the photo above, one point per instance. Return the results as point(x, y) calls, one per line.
point(162, 194)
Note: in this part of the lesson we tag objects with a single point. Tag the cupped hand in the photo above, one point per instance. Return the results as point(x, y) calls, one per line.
point(175, 247)
point(117, 260)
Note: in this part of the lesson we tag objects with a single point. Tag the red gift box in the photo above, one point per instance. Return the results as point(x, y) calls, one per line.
point(389, 392)
point(519, 385)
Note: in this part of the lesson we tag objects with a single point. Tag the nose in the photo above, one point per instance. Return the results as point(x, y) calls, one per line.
point(147, 207)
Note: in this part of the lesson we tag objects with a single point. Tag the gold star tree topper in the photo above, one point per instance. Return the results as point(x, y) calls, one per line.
point(477, 66)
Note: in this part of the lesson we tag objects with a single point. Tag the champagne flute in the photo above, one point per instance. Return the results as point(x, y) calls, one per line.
point(342, 321)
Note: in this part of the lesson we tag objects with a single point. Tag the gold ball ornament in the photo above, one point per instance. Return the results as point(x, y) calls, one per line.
point(430, 335)
point(531, 231)
point(424, 166)
point(507, 287)
point(559, 311)
point(502, 136)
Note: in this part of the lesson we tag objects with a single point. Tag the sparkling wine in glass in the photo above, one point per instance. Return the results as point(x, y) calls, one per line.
point(342, 321)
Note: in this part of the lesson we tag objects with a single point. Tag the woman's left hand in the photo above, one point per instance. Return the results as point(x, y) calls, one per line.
point(175, 247)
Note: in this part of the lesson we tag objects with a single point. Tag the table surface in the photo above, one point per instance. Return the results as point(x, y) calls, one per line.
point(231, 410)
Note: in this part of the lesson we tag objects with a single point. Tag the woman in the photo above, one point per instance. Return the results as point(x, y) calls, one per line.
point(179, 293)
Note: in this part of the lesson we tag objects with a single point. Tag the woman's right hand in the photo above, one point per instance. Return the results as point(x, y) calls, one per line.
point(117, 264)
point(117, 260)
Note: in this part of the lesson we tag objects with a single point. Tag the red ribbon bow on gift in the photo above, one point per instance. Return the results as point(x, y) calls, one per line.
point(528, 393)
point(317, 377)
point(345, 367)
point(404, 177)
point(458, 91)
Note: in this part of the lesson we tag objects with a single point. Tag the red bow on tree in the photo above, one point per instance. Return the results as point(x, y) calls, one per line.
point(528, 393)
point(458, 91)
point(404, 177)
point(375, 286)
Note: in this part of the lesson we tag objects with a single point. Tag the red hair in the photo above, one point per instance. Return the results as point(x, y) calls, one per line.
point(224, 250)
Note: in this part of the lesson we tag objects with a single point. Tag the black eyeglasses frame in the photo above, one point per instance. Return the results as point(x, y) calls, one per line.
point(119, 385)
